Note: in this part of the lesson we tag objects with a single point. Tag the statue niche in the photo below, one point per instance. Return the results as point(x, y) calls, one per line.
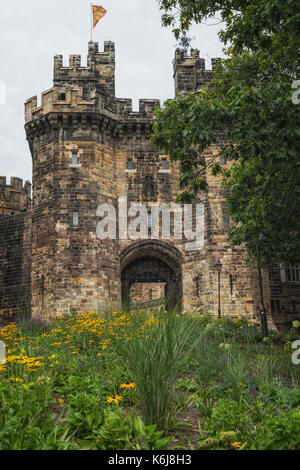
point(149, 190)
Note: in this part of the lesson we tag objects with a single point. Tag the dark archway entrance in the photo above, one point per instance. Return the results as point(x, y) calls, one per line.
point(151, 272)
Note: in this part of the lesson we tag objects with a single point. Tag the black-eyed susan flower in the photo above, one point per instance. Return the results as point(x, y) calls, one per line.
point(236, 444)
point(16, 379)
point(114, 399)
point(128, 385)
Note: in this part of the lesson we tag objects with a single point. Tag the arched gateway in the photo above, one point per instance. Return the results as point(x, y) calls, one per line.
point(151, 270)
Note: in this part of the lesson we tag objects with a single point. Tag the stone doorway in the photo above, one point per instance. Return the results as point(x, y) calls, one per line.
point(151, 274)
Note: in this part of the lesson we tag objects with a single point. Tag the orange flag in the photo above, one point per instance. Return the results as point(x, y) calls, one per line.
point(98, 13)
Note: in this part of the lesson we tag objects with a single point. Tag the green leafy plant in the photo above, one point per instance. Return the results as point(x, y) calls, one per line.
point(122, 432)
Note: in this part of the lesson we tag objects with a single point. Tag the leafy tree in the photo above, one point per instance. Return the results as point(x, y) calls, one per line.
point(250, 102)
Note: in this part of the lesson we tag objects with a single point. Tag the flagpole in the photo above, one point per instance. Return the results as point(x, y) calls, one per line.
point(91, 22)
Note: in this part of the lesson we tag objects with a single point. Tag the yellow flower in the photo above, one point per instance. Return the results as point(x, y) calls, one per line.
point(61, 401)
point(296, 324)
point(114, 399)
point(237, 445)
point(128, 386)
point(17, 380)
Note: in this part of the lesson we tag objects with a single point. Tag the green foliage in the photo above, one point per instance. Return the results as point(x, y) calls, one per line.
point(153, 361)
point(26, 422)
point(243, 393)
point(250, 103)
point(234, 374)
point(122, 432)
point(86, 414)
point(281, 432)
point(253, 25)
point(227, 415)
point(266, 371)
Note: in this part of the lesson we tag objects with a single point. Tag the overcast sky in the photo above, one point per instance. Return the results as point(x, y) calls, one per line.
point(32, 32)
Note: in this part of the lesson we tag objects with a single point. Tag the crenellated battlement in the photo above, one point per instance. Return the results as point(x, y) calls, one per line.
point(53, 101)
point(14, 197)
point(94, 57)
point(74, 103)
point(190, 74)
point(89, 89)
point(100, 68)
point(146, 108)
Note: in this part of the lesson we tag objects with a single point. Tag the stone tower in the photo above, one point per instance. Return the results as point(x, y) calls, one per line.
point(90, 148)
point(14, 197)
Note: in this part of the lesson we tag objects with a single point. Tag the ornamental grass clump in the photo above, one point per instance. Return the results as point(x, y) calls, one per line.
point(153, 360)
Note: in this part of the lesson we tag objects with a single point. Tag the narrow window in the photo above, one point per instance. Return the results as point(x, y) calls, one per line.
point(222, 160)
point(130, 165)
point(196, 279)
point(75, 219)
point(164, 164)
point(294, 306)
point(282, 272)
point(231, 284)
point(225, 219)
point(62, 96)
point(74, 158)
point(43, 289)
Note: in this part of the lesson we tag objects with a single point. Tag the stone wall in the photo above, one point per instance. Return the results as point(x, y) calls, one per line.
point(15, 265)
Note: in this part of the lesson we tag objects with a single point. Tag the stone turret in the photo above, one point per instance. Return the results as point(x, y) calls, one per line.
point(14, 197)
point(190, 74)
point(100, 69)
